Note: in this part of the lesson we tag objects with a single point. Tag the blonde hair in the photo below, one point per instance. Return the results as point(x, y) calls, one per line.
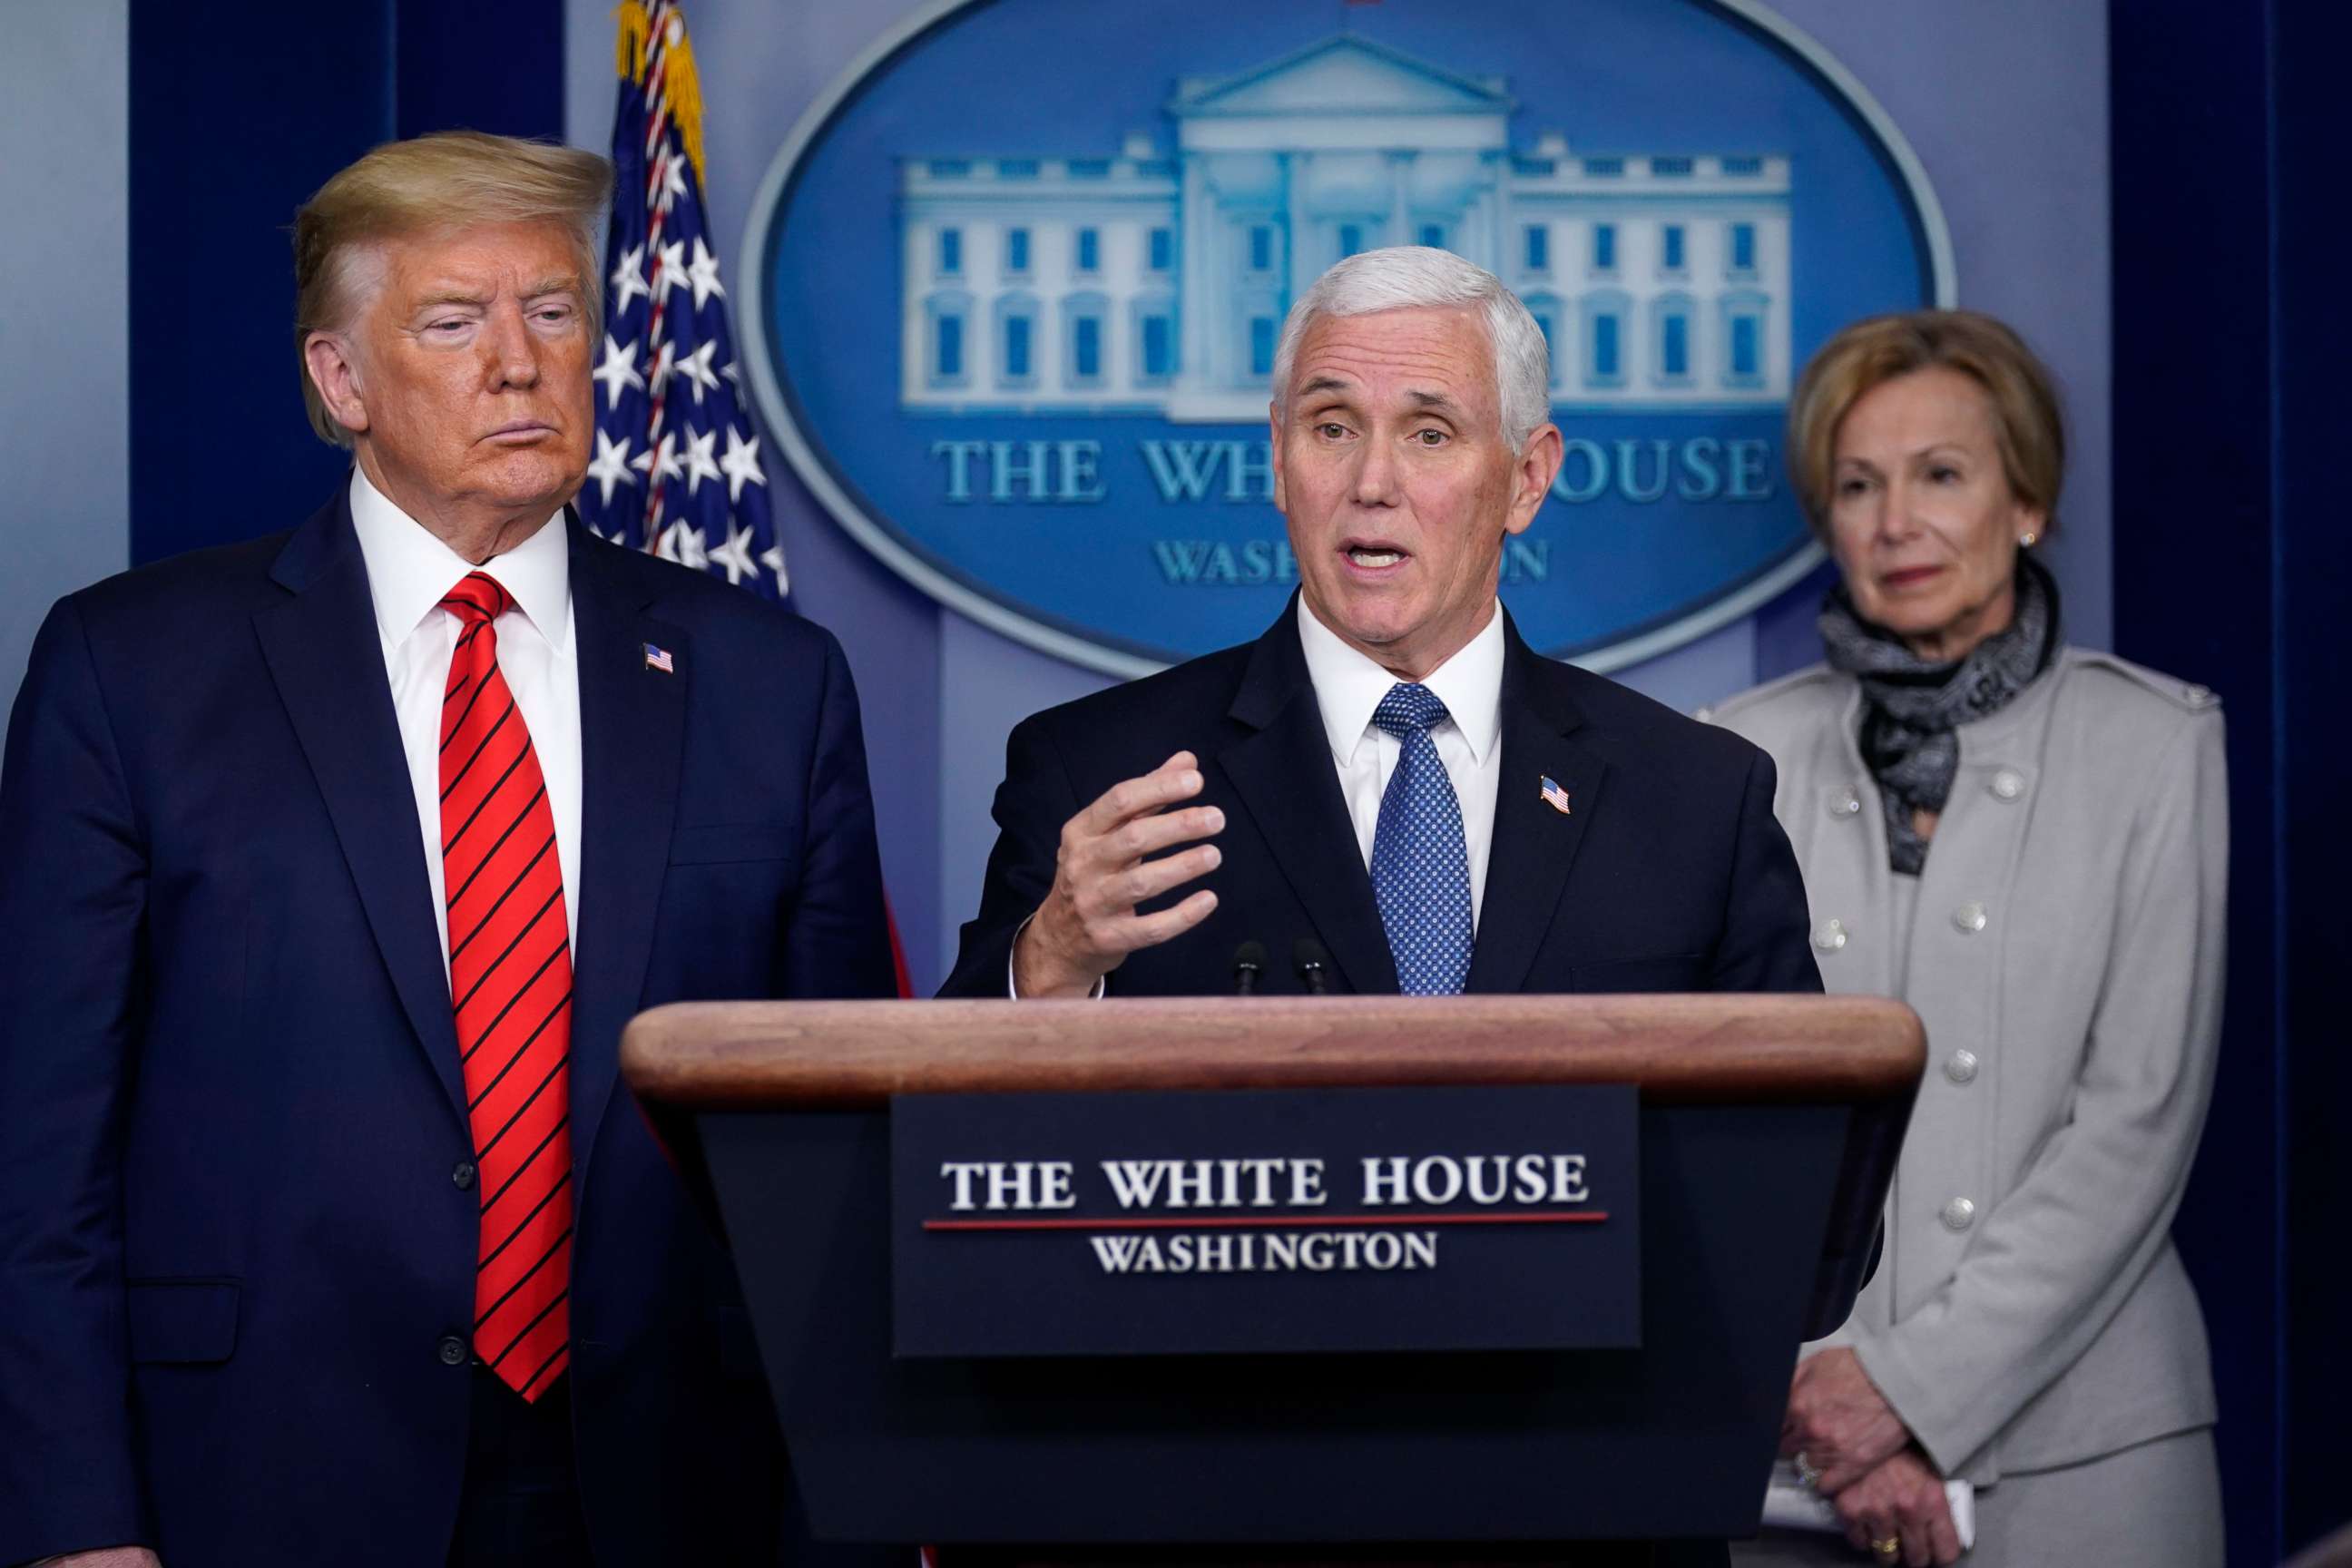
point(2027, 421)
point(441, 183)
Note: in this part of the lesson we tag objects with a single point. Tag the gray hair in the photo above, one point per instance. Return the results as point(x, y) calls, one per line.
point(1409, 276)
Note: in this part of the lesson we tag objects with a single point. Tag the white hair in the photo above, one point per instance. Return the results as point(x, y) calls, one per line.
point(1411, 277)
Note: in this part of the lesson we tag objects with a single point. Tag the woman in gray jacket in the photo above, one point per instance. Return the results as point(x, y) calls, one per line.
point(2028, 843)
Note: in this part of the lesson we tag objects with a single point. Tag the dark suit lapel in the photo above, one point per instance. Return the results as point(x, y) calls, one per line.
point(327, 662)
point(1283, 773)
point(1534, 843)
point(632, 730)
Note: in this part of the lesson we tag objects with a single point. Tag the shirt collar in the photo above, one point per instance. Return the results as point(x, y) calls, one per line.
point(1348, 685)
point(410, 569)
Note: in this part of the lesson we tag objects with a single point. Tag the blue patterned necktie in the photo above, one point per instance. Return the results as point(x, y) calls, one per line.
point(1421, 867)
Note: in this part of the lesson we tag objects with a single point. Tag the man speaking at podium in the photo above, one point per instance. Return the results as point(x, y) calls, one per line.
point(1389, 791)
point(327, 1232)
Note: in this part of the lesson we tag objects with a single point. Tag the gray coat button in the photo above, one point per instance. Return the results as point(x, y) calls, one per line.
point(2007, 785)
point(1960, 1214)
point(453, 1351)
point(1829, 936)
point(1968, 919)
point(461, 1175)
point(1841, 801)
point(1960, 1067)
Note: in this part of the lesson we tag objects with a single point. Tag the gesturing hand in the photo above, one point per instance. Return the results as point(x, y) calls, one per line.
point(1087, 924)
point(1839, 1421)
point(1902, 1499)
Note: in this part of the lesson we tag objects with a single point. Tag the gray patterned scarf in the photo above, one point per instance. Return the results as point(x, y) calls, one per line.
point(1911, 708)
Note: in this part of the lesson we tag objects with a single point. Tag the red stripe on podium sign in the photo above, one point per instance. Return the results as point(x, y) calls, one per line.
point(1231, 1222)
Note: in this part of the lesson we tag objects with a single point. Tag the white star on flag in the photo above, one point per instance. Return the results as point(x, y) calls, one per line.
point(741, 463)
point(662, 460)
point(619, 370)
point(673, 180)
point(695, 368)
point(690, 550)
point(699, 465)
point(611, 466)
point(735, 555)
point(629, 277)
point(669, 270)
point(772, 558)
point(703, 271)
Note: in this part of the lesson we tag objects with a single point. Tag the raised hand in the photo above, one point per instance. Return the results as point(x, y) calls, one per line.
point(1087, 924)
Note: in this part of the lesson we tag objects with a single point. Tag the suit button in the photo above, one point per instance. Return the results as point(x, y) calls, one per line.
point(1968, 919)
point(1841, 801)
point(453, 1351)
point(461, 1175)
point(1960, 1067)
point(1829, 936)
point(1960, 1214)
point(2007, 785)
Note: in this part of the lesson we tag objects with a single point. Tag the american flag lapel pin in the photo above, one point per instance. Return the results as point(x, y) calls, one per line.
point(659, 658)
point(1553, 796)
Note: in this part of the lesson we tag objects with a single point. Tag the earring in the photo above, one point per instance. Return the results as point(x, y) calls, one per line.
point(2025, 541)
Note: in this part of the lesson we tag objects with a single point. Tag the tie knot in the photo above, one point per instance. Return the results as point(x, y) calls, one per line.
point(478, 598)
point(1408, 710)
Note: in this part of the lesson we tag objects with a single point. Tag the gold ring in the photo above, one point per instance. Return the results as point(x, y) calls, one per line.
point(1889, 1548)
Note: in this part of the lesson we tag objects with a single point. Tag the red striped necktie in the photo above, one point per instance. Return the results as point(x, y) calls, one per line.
point(510, 978)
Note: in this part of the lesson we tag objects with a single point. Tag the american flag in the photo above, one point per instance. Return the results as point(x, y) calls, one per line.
point(678, 469)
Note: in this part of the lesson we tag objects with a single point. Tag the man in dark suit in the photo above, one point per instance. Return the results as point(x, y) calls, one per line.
point(1390, 773)
point(326, 1233)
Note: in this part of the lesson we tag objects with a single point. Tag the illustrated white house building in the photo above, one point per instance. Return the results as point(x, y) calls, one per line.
point(1154, 284)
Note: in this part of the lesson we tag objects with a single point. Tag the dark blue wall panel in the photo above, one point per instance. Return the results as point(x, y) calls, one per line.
point(497, 67)
point(232, 126)
point(2231, 566)
point(2311, 338)
point(2194, 525)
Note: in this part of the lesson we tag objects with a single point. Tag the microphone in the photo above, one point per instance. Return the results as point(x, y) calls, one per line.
point(1314, 966)
point(1249, 964)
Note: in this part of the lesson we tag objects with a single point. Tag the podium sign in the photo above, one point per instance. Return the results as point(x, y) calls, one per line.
point(1768, 1129)
point(1299, 1220)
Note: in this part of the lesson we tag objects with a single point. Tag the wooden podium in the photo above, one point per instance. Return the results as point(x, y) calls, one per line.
point(1769, 1128)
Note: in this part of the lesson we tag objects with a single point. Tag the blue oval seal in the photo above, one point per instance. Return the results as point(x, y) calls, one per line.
point(1021, 273)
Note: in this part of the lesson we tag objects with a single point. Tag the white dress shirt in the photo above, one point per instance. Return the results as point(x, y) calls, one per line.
point(1469, 740)
point(409, 571)
point(1349, 686)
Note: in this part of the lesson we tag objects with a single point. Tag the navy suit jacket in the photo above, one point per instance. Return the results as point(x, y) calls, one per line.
point(1668, 872)
point(231, 1242)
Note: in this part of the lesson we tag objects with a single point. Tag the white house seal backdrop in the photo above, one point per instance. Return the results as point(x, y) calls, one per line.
point(1019, 278)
